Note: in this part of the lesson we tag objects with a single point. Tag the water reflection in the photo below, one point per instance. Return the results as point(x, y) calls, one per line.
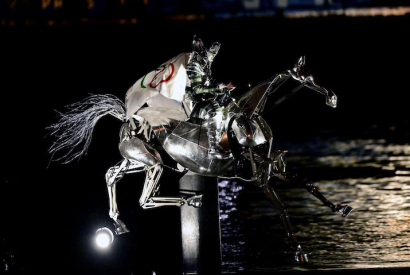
point(373, 176)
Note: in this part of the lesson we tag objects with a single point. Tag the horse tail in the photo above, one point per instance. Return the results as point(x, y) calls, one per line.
point(75, 127)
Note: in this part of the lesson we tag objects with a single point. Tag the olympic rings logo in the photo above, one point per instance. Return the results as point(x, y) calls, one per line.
point(160, 76)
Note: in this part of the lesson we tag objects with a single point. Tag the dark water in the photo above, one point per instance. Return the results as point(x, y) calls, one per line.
point(373, 176)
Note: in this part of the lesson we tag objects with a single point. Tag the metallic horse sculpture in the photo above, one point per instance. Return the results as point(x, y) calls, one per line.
point(246, 139)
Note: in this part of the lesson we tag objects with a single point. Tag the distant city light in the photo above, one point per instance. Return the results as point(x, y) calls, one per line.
point(104, 237)
point(351, 12)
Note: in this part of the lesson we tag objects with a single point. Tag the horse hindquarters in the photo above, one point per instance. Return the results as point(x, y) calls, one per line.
point(133, 148)
point(137, 151)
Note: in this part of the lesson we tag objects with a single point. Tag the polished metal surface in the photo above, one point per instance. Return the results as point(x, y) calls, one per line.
point(268, 94)
point(202, 58)
point(188, 144)
point(248, 132)
point(113, 175)
point(232, 127)
point(135, 149)
point(300, 73)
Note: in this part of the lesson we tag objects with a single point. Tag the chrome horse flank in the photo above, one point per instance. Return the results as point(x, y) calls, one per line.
point(246, 139)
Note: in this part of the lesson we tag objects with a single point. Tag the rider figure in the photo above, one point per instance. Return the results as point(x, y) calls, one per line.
point(201, 87)
point(174, 89)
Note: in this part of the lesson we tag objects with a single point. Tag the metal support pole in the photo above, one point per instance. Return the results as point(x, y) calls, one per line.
point(200, 227)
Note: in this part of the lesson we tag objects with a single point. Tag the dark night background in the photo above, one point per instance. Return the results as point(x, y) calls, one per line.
point(50, 213)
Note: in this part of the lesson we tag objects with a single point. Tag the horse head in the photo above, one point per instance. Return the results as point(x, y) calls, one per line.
point(270, 93)
point(249, 134)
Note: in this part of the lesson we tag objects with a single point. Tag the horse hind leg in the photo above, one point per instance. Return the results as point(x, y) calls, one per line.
point(152, 176)
point(148, 198)
point(138, 150)
point(113, 175)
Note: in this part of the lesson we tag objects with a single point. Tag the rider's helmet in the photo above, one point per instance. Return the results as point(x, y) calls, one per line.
point(203, 56)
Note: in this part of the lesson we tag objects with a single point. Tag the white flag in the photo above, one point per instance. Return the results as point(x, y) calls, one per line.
point(169, 80)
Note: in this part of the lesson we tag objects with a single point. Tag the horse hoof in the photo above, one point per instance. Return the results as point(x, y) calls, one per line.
point(120, 227)
point(344, 210)
point(195, 201)
point(300, 256)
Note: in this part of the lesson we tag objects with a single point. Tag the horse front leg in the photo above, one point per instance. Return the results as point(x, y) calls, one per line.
point(344, 210)
point(113, 175)
point(299, 255)
point(262, 174)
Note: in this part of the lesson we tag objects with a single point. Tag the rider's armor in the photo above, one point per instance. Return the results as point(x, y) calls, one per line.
point(201, 87)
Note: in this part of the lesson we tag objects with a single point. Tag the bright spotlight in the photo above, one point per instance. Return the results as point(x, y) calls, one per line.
point(104, 237)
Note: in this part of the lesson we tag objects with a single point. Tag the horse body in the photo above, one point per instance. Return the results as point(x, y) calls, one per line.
point(246, 139)
point(187, 144)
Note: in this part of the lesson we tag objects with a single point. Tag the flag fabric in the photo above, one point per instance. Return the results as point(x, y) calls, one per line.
point(162, 88)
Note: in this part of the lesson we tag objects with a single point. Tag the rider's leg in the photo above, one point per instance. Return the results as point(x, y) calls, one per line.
point(214, 120)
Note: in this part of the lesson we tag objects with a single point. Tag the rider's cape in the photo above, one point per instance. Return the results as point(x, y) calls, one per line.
point(163, 90)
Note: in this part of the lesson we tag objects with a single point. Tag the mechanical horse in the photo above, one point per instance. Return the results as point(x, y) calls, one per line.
point(246, 139)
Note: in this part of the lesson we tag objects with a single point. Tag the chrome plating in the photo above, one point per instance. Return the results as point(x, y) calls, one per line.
point(242, 134)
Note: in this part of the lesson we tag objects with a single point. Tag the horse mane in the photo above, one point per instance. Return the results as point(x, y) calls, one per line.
point(255, 99)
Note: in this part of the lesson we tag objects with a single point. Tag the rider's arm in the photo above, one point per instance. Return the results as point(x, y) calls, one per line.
point(198, 86)
point(197, 76)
